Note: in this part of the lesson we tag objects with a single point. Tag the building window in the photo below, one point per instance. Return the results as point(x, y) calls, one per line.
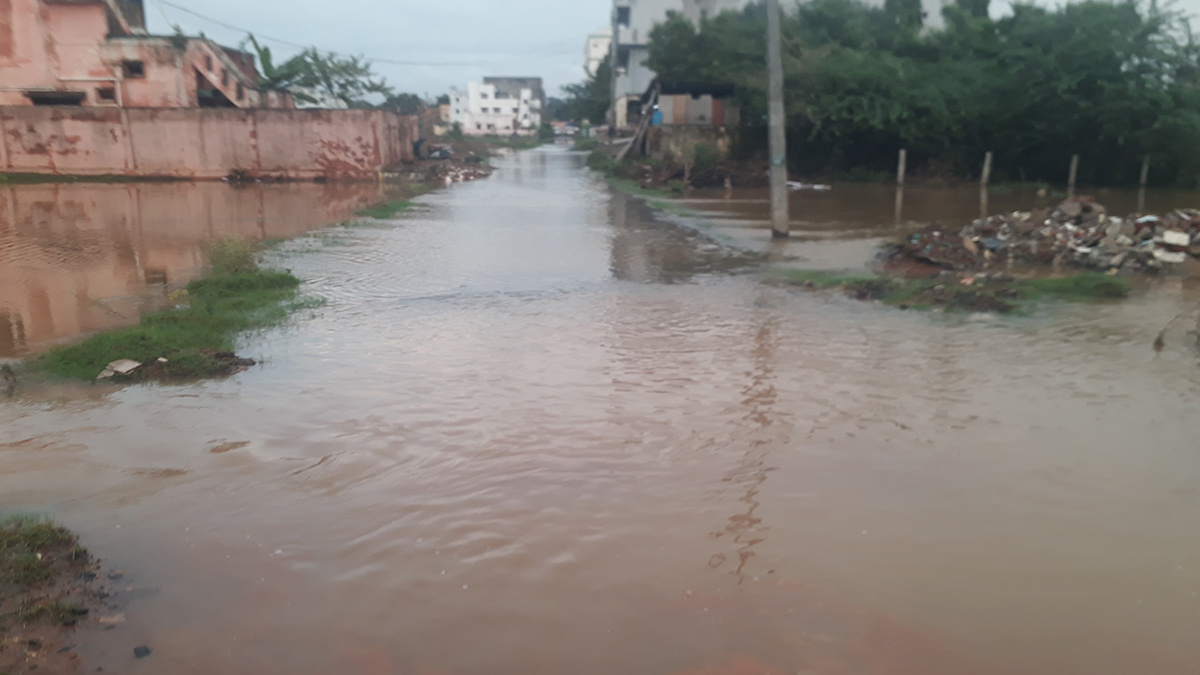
point(623, 16)
point(224, 78)
point(107, 94)
point(496, 110)
point(478, 125)
point(483, 96)
point(241, 91)
point(134, 70)
point(208, 63)
point(49, 97)
point(515, 111)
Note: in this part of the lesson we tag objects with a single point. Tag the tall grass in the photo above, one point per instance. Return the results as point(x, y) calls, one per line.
point(25, 543)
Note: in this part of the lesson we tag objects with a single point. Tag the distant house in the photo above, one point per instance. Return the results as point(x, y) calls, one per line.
point(499, 106)
point(676, 104)
point(632, 22)
point(97, 53)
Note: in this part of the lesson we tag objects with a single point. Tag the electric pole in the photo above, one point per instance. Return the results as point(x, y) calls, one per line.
point(780, 225)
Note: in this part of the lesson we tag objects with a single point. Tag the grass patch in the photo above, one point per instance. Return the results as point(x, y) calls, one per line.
point(635, 188)
point(982, 294)
point(671, 206)
point(195, 339)
point(230, 255)
point(817, 278)
point(27, 547)
point(385, 210)
point(1090, 286)
point(54, 612)
point(587, 144)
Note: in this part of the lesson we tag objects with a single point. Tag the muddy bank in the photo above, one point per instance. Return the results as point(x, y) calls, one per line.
point(982, 292)
point(48, 588)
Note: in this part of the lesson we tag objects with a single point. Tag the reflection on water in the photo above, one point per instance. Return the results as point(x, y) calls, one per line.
point(858, 209)
point(647, 250)
point(535, 430)
point(81, 258)
point(841, 228)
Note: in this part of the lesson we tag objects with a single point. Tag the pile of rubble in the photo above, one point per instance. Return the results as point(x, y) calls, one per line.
point(1077, 232)
point(463, 173)
point(447, 172)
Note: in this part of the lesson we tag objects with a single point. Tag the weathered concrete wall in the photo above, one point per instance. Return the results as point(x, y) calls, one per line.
point(204, 143)
point(673, 142)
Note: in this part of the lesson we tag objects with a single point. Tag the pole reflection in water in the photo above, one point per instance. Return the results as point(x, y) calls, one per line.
point(764, 432)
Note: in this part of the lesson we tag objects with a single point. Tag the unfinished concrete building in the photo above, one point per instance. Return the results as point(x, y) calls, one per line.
point(97, 53)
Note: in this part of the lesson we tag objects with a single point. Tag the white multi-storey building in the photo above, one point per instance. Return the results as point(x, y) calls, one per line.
point(499, 106)
point(596, 50)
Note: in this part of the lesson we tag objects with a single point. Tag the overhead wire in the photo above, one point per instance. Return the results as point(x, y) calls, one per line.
point(544, 53)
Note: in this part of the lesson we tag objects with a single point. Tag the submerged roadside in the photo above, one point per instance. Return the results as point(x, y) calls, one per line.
point(192, 333)
point(48, 588)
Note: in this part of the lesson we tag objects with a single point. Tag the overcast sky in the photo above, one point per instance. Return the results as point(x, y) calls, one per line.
point(468, 39)
point(540, 38)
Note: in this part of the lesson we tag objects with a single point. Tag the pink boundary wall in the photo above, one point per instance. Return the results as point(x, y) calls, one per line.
point(203, 143)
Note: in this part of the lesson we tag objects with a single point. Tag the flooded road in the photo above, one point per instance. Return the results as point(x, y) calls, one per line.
point(535, 429)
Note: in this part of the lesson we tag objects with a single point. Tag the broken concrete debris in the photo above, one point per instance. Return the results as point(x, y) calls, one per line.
point(1077, 232)
point(124, 367)
point(447, 172)
point(816, 187)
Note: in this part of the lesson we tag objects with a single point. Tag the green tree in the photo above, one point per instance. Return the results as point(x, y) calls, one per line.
point(272, 76)
point(313, 74)
point(405, 104)
point(588, 100)
point(558, 110)
point(1112, 81)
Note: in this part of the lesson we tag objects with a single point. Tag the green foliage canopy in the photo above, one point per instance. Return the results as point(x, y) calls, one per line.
point(588, 100)
point(1112, 81)
point(313, 73)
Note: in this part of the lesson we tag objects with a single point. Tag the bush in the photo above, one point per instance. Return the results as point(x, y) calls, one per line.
point(231, 255)
point(707, 156)
point(602, 162)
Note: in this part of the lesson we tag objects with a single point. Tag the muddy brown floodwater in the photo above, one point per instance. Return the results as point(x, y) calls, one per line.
point(535, 429)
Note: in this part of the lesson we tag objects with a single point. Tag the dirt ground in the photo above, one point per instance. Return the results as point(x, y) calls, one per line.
point(49, 588)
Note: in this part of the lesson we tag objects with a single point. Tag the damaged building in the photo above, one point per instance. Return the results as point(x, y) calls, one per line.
point(97, 53)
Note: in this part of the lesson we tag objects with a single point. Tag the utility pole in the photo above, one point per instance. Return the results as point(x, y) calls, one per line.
point(780, 224)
